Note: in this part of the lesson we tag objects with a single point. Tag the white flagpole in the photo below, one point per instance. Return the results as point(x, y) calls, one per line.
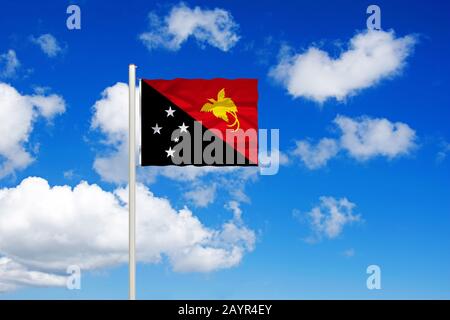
point(132, 181)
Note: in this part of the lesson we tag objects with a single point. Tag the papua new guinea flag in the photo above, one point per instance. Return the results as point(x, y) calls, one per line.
point(199, 122)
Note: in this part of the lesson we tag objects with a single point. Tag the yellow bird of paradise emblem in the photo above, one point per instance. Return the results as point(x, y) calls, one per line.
point(221, 107)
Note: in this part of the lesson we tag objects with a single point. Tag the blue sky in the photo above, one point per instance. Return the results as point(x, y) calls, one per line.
point(399, 187)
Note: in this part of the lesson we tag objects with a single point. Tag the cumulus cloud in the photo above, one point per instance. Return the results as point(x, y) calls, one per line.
point(202, 196)
point(18, 114)
point(111, 114)
point(364, 137)
point(215, 27)
point(50, 228)
point(235, 207)
point(371, 56)
point(110, 117)
point(8, 64)
point(443, 153)
point(317, 156)
point(14, 275)
point(48, 44)
point(361, 138)
point(328, 219)
point(202, 258)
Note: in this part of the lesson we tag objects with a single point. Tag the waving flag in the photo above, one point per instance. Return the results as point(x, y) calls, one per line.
point(199, 122)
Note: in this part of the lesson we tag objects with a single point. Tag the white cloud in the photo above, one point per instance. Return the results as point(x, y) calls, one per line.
point(48, 106)
point(113, 166)
point(8, 64)
point(87, 226)
point(235, 207)
point(48, 44)
point(202, 196)
point(443, 153)
point(213, 27)
point(329, 218)
point(371, 57)
point(69, 174)
point(364, 138)
point(315, 157)
point(18, 113)
point(238, 240)
point(111, 112)
point(13, 275)
point(111, 118)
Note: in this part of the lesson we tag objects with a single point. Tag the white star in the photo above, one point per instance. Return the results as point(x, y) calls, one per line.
point(170, 112)
point(170, 152)
point(183, 128)
point(176, 139)
point(156, 129)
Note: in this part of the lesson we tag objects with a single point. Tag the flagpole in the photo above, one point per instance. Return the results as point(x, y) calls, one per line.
point(132, 181)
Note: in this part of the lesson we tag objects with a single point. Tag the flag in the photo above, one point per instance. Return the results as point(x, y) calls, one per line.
point(199, 122)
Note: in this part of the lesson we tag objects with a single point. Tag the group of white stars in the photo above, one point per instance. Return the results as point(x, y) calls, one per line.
point(157, 130)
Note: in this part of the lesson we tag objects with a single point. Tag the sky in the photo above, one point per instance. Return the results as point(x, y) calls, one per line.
point(364, 152)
